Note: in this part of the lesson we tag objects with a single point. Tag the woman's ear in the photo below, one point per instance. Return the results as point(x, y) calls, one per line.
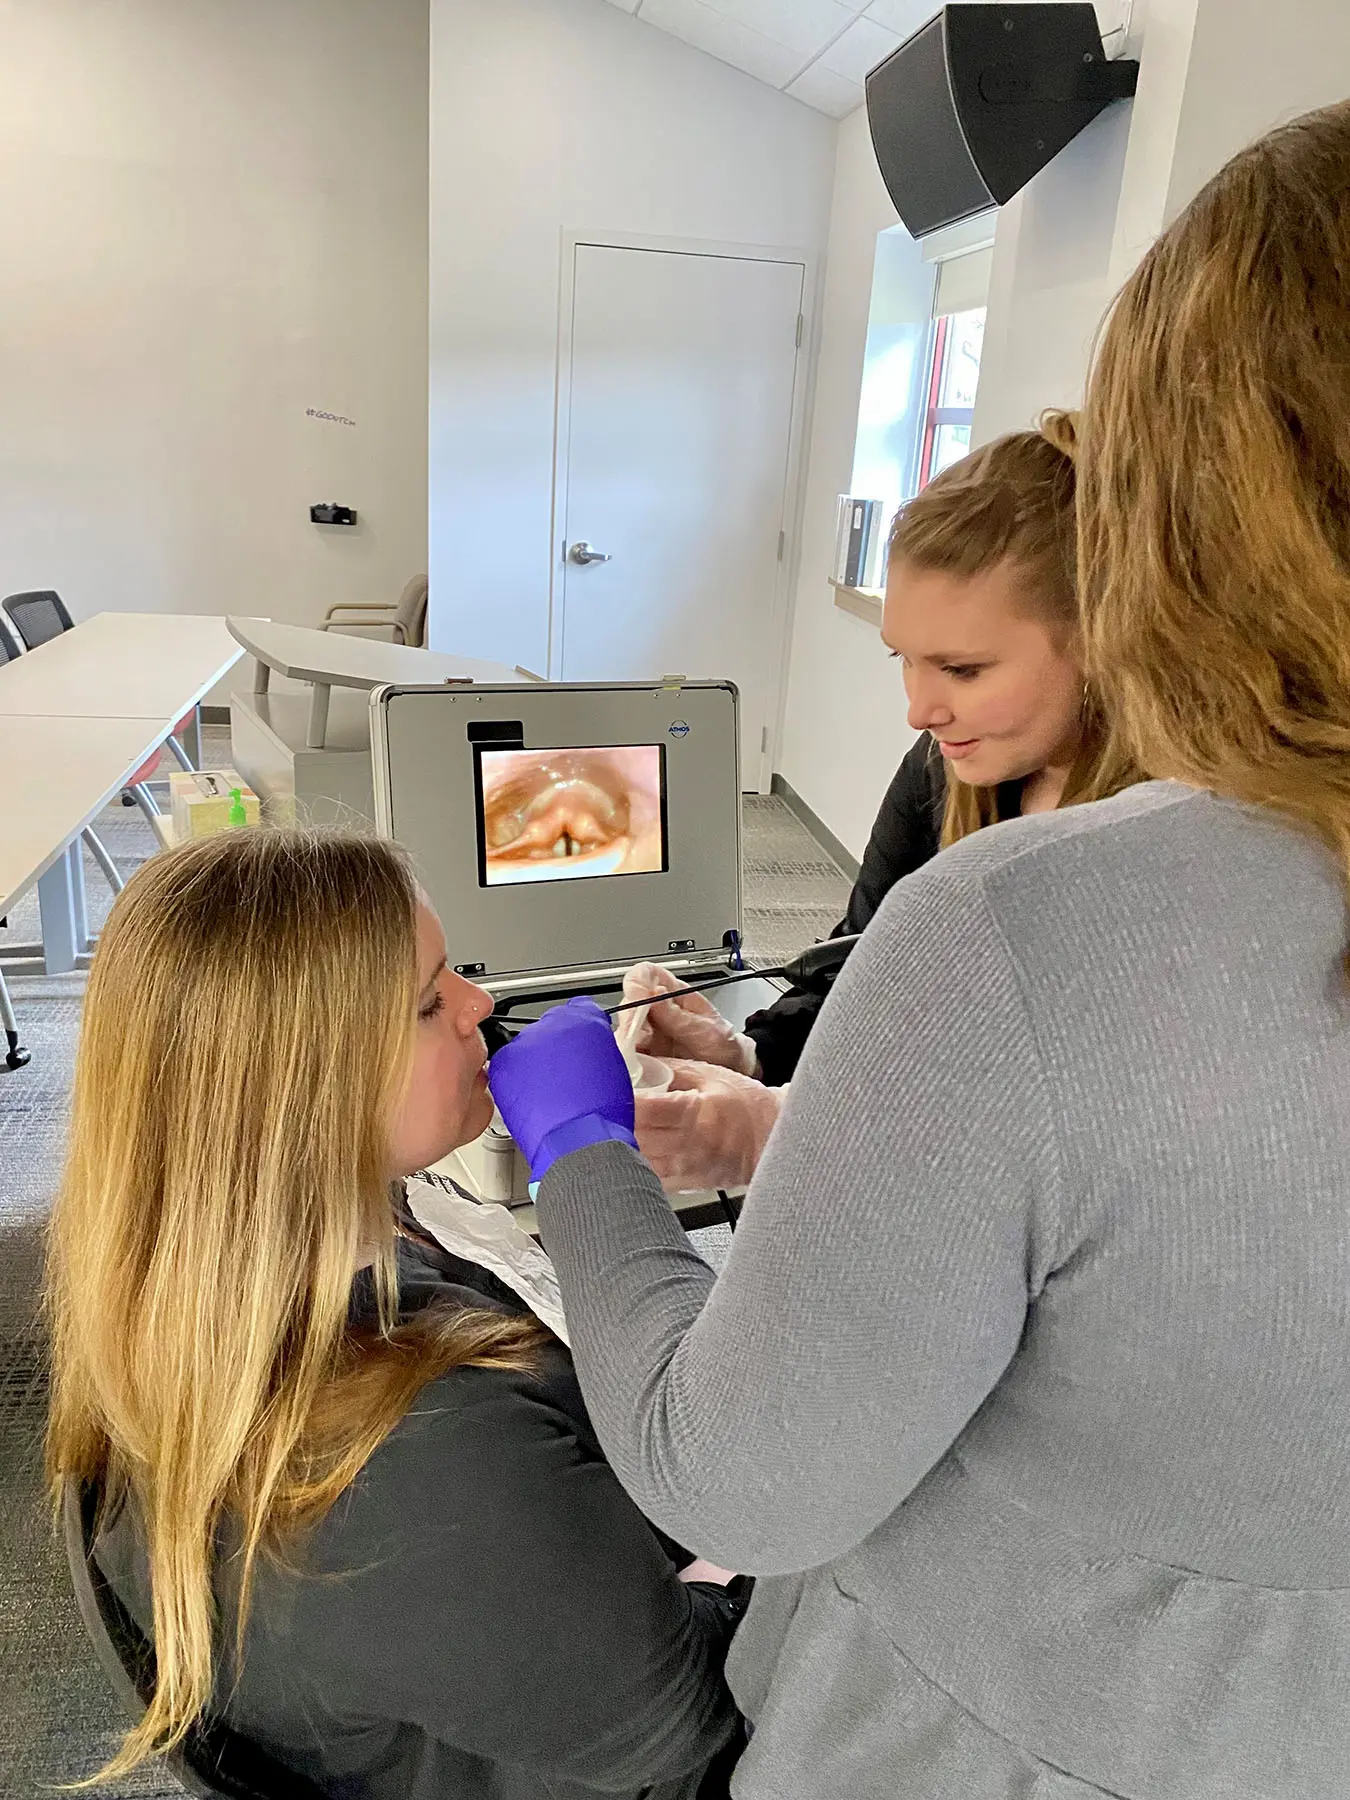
point(1067, 637)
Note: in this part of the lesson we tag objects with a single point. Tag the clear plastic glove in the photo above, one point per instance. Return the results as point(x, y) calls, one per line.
point(690, 1027)
point(709, 1129)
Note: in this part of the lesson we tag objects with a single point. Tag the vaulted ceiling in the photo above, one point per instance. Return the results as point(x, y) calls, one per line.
point(816, 50)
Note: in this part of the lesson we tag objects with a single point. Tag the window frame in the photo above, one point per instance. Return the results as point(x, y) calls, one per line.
point(936, 416)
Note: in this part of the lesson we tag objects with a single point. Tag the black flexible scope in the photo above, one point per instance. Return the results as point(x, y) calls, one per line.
point(817, 959)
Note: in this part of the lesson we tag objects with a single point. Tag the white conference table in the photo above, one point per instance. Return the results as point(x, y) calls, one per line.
point(122, 665)
point(329, 659)
point(78, 716)
point(70, 770)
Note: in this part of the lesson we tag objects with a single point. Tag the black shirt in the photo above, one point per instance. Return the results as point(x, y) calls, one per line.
point(905, 835)
point(484, 1614)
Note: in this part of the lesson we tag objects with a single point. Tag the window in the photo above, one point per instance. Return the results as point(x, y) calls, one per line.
point(895, 377)
point(954, 376)
point(921, 363)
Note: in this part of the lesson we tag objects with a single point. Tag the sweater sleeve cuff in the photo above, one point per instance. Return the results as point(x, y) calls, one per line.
point(576, 1134)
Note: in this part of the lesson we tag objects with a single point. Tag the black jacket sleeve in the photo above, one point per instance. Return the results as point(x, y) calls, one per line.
point(530, 1616)
point(905, 835)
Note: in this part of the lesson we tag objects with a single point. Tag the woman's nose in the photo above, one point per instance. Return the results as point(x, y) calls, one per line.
point(483, 1003)
point(927, 709)
point(472, 1005)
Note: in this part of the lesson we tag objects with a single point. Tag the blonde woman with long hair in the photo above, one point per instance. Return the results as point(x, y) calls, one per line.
point(981, 610)
point(1033, 1347)
point(348, 1487)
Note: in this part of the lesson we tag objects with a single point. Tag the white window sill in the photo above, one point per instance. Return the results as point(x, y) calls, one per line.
point(863, 603)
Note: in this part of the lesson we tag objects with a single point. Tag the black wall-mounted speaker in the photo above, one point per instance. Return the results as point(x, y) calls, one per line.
point(967, 110)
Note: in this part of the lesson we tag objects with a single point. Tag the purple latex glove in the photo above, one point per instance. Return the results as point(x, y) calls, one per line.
point(562, 1084)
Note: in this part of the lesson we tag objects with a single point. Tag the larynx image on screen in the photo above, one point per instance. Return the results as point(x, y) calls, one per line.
point(567, 815)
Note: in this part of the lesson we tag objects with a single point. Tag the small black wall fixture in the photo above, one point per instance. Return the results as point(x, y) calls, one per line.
point(981, 98)
point(330, 513)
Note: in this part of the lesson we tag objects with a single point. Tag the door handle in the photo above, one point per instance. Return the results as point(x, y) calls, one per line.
point(582, 553)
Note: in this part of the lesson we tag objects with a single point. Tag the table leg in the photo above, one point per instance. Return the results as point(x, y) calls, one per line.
point(318, 717)
point(15, 1054)
point(179, 753)
point(65, 928)
point(82, 938)
point(194, 737)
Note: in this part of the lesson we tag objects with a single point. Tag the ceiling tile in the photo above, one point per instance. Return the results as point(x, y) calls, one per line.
point(826, 91)
point(723, 37)
point(861, 48)
point(904, 16)
point(803, 25)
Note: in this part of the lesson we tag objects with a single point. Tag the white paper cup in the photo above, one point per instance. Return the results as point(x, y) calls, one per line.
point(648, 1074)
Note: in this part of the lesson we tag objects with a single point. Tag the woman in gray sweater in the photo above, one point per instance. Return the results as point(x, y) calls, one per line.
point(1033, 1349)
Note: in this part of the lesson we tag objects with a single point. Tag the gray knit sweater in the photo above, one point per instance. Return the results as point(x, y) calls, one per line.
point(1034, 1344)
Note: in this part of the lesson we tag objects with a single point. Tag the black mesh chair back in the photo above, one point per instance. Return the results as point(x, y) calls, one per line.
point(212, 1760)
point(9, 644)
point(38, 617)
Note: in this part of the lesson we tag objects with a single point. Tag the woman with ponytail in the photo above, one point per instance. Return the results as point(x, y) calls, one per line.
point(982, 613)
point(1026, 1385)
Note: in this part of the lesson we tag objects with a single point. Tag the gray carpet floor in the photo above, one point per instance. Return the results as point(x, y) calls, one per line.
point(57, 1717)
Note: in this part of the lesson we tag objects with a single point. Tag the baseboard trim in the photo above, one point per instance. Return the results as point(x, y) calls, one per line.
point(215, 715)
point(828, 842)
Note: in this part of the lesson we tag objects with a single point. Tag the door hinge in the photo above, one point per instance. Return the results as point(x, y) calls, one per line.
point(764, 741)
point(782, 544)
point(801, 329)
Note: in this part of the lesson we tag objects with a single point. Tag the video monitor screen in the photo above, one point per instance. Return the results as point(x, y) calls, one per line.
point(571, 815)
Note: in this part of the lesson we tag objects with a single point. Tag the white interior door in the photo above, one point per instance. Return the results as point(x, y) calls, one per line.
point(674, 466)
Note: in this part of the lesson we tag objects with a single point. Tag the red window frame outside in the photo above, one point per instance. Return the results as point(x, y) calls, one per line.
point(935, 414)
point(930, 419)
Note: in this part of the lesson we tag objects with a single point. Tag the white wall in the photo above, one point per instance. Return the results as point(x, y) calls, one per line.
point(1253, 65)
point(1055, 252)
point(1051, 280)
point(844, 730)
point(550, 116)
point(1214, 74)
point(213, 217)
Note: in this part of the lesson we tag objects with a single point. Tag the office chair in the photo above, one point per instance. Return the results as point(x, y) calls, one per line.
point(40, 616)
point(405, 618)
point(212, 1760)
